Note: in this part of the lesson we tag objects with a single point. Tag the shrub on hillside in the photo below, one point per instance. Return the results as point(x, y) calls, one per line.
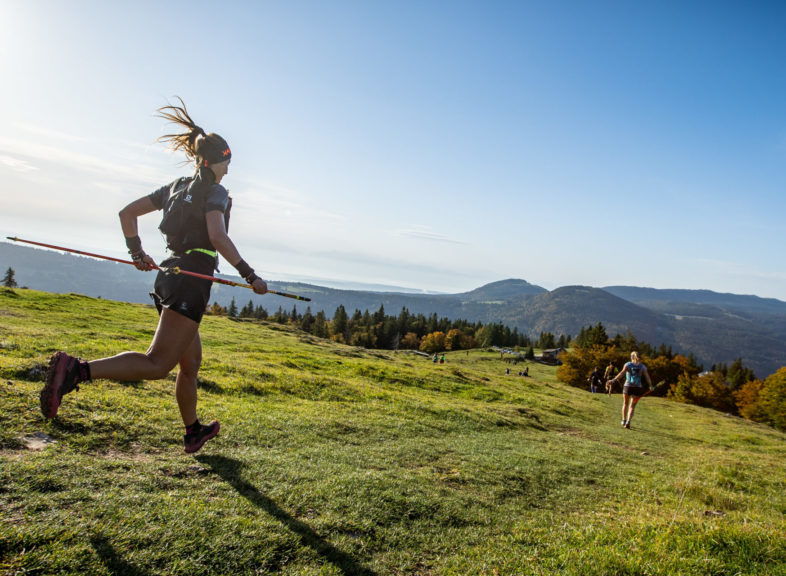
point(708, 390)
point(747, 399)
point(410, 341)
point(765, 401)
point(578, 363)
point(434, 342)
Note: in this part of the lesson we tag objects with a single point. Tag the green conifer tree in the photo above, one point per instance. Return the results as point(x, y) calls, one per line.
point(9, 281)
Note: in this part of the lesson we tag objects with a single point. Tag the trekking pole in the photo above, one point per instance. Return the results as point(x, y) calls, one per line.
point(176, 270)
point(650, 391)
point(15, 239)
point(173, 270)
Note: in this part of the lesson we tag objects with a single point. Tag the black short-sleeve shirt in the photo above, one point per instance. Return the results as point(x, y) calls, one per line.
point(217, 197)
point(202, 195)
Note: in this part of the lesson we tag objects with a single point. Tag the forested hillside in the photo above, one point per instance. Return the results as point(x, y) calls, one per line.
point(716, 328)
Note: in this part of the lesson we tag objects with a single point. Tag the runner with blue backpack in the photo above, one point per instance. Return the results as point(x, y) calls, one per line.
point(635, 373)
point(195, 220)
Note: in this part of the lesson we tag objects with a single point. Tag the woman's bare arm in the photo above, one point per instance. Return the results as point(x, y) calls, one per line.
point(217, 232)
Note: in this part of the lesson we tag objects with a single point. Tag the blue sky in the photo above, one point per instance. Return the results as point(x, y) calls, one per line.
point(430, 145)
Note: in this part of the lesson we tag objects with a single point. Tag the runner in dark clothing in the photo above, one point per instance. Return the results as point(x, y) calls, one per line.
point(595, 380)
point(196, 214)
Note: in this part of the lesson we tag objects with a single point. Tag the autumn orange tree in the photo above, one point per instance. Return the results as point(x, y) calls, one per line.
point(729, 389)
point(432, 343)
point(709, 390)
point(670, 368)
point(453, 339)
point(747, 399)
point(773, 399)
point(764, 400)
point(410, 341)
point(578, 363)
point(457, 339)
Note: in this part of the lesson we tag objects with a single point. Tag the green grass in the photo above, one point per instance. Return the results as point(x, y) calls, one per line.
point(334, 460)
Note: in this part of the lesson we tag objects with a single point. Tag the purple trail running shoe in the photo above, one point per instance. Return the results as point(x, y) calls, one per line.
point(62, 377)
point(194, 441)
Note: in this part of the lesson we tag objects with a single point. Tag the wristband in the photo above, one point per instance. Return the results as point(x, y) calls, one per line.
point(134, 244)
point(244, 269)
point(137, 256)
point(251, 277)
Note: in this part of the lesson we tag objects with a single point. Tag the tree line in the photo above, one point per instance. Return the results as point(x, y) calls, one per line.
point(733, 389)
point(379, 330)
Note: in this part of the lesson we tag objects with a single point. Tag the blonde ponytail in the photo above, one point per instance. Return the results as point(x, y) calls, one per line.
point(202, 148)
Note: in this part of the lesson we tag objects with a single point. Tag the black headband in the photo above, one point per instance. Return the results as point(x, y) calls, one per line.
point(213, 152)
point(214, 155)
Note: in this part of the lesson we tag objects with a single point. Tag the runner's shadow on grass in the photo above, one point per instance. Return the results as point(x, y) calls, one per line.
point(112, 560)
point(231, 471)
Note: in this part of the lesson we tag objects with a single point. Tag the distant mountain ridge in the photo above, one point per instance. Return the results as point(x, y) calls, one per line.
point(502, 290)
point(715, 327)
point(568, 309)
point(743, 303)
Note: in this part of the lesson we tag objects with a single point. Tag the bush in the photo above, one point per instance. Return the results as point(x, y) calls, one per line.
point(708, 390)
point(434, 342)
point(765, 401)
point(747, 399)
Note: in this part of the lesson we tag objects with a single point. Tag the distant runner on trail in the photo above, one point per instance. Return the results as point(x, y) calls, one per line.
point(595, 380)
point(611, 370)
point(635, 372)
point(195, 219)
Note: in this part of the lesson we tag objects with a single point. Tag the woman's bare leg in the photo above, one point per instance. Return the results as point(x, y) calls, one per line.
point(186, 385)
point(632, 408)
point(173, 337)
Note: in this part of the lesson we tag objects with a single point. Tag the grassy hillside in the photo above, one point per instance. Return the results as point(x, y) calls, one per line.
point(337, 461)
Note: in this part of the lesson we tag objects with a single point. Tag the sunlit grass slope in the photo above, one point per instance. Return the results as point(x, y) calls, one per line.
point(335, 460)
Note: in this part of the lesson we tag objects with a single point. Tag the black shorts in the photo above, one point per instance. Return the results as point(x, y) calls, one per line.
point(633, 390)
point(182, 293)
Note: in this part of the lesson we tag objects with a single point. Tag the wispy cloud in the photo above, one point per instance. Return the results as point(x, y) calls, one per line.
point(48, 133)
point(272, 198)
point(17, 164)
point(426, 233)
point(113, 160)
point(110, 165)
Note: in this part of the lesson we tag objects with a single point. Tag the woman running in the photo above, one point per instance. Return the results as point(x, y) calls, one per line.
point(634, 372)
point(195, 219)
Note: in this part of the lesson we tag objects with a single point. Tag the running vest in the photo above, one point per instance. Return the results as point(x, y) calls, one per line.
point(633, 373)
point(185, 203)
